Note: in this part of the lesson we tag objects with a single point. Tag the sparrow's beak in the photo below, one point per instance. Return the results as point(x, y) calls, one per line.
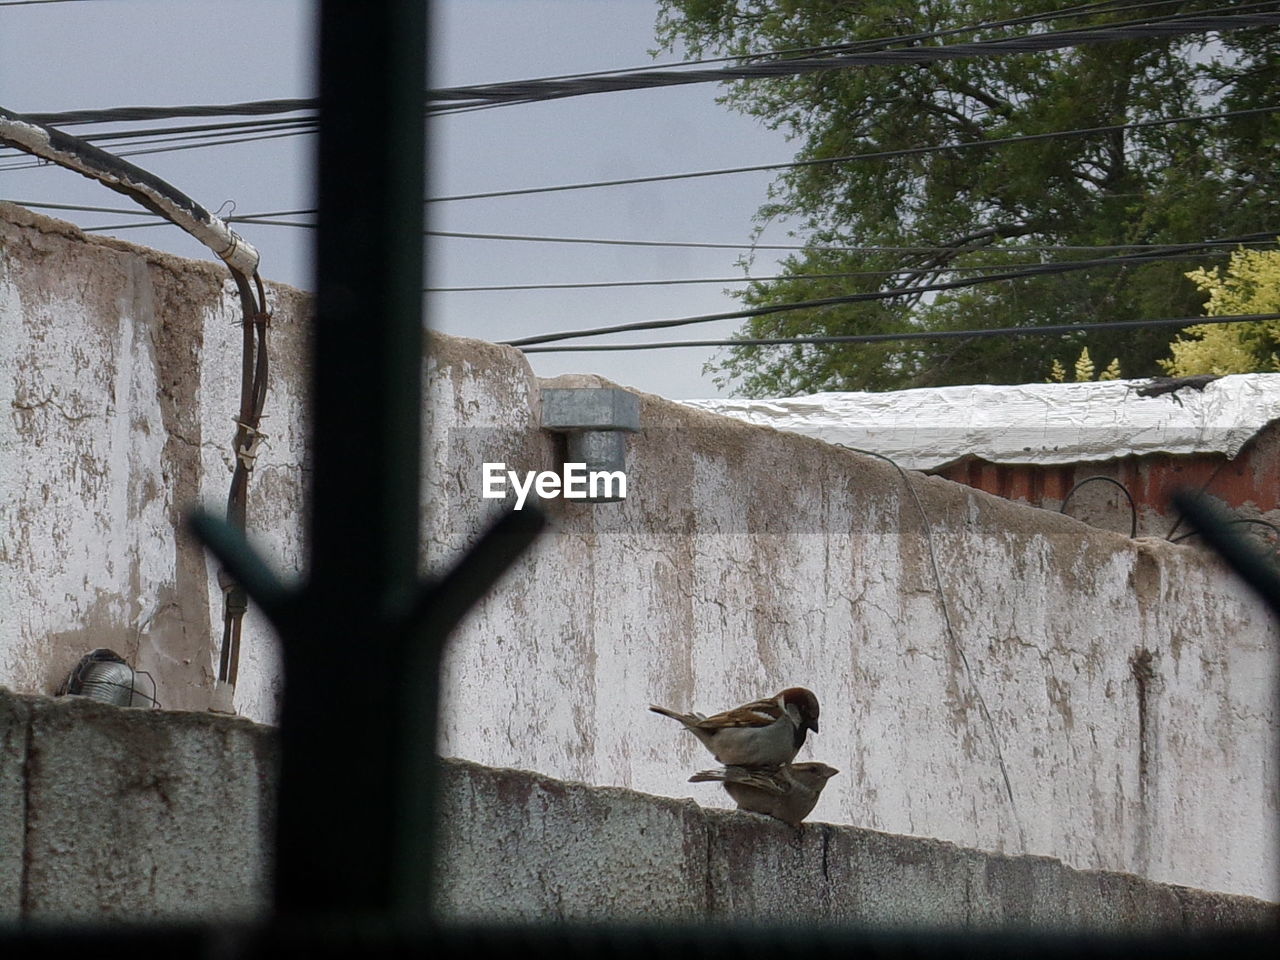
point(813, 725)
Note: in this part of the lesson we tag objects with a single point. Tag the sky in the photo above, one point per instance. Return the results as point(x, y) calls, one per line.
point(108, 53)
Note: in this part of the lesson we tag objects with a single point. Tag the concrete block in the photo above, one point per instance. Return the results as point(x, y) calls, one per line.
point(1007, 891)
point(517, 846)
point(1206, 910)
point(141, 815)
point(882, 881)
point(762, 870)
point(14, 726)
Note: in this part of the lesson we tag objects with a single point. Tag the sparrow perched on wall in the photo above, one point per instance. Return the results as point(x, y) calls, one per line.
point(763, 733)
point(788, 792)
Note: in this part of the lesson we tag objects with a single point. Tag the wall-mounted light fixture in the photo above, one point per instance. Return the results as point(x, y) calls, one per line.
point(594, 421)
point(105, 676)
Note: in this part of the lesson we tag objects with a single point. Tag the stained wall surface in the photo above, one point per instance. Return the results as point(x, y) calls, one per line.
point(991, 675)
point(113, 815)
point(120, 378)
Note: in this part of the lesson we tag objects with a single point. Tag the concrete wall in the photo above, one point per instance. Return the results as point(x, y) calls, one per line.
point(114, 815)
point(1126, 689)
point(119, 376)
point(522, 847)
point(1104, 701)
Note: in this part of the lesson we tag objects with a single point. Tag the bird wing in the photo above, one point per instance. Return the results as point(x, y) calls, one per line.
point(757, 713)
point(759, 779)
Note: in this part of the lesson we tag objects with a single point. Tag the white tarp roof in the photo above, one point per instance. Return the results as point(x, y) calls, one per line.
point(1040, 423)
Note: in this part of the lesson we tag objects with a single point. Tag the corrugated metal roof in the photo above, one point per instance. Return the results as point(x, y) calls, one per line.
point(1030, 423)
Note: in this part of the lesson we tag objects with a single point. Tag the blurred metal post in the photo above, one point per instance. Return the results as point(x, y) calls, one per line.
point(362, 639)
point(341, 733)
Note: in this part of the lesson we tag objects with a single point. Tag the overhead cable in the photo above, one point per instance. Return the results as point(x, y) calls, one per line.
point(165, 200)
point(1194, 252)
point(225, 141)
point(858, 274)
point(252, 108)
point(1049, 330)
point(1221, 19)
point(144, 187)
point(1218, 20)
point(868, 296)
point(849, 158)
point(268, 220)
point(296, 105)
point(293, 128)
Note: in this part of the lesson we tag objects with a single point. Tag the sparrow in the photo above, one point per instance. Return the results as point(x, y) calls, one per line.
point(788, 792)
point(763, 733)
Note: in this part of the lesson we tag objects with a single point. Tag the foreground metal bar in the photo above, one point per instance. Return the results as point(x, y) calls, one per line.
point(340, 731)
point(362, 639)
point(1215, 527)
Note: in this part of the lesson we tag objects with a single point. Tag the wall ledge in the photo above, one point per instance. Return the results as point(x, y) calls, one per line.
point(112, 814)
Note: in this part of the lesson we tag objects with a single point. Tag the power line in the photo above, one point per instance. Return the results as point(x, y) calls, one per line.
point(189, 146)
point(69, 118)
point(860, 274)
point(1220, 19)
point(150, 191)
point(816, 248)
point(44, 205)
point(848, 158)
point(297, 128)
point(204, 135)
point(785, 54)
point(1106, 6)
point(265, 220)
point(251, 108)
point(876, 295)
point(1192, 252)
point(1051, 330)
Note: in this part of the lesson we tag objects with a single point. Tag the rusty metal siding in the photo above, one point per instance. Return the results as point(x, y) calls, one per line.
point(1249, 484)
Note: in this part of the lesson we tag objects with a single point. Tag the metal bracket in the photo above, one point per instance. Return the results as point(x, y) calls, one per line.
point(594, 421)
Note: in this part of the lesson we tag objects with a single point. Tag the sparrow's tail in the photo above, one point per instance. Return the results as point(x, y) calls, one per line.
point(764, 778)
point(688, 719)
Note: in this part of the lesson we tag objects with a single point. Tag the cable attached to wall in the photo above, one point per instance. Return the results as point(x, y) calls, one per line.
point(1133, 508)
point(165, 200)
point(951, 633)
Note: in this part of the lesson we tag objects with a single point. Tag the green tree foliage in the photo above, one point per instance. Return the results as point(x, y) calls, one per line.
point(1158, 184)
point(1084, 369)
point(1251, 284)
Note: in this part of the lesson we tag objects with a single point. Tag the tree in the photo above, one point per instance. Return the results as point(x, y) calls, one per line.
point(975, 208)
point(1084, 369)
point(1251, 284)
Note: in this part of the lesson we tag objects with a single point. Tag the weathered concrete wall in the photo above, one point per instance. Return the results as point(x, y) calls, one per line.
point(119, 373)
point(1104, 701)
point(1125, 688)
point(109, 814)
point(523, 847)
point(114, 814)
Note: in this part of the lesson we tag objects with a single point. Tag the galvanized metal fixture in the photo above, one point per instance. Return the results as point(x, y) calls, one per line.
point(594, 421)
point(105, 676)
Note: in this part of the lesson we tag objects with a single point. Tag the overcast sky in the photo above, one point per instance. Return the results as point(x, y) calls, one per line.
point(107, 53)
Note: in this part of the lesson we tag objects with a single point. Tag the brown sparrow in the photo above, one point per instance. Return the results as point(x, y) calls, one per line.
point(763, 733)
point(788, 792)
